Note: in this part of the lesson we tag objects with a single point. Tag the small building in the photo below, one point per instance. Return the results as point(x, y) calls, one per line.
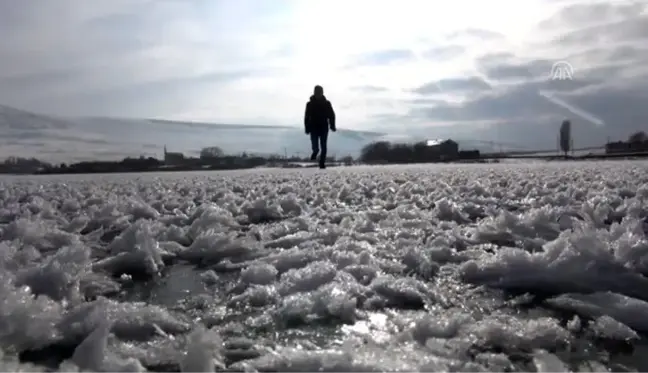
point(171, 158)
point(446, 149)
point(626, 147)
point(636, 143)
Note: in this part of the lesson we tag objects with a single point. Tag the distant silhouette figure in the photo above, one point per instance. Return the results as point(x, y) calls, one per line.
point(318, 119)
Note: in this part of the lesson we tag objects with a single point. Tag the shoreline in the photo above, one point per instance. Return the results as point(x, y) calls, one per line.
point(188, 168)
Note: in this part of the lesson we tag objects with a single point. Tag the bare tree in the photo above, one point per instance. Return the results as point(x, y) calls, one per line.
point(638, 137)
point(211, 152)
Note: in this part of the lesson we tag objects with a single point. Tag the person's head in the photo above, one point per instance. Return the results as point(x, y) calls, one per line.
point(318, 91)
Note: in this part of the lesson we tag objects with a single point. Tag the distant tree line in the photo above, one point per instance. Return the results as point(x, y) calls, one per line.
point(210, 158)
point(213, 158)
point(212, 152)
point(638, 137)
point(418, 152)
point(128, 164)
point(19, 165)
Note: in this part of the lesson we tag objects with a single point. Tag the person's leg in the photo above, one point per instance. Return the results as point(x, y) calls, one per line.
point(314, 145)
point(323, 142)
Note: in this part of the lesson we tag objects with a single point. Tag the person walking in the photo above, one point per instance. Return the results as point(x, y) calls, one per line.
point(318, 119)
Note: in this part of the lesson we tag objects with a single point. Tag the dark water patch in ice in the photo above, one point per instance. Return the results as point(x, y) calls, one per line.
point(175, 285)
point(50, 356)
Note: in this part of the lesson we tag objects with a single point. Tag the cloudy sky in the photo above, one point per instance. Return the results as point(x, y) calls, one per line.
point(442, 67)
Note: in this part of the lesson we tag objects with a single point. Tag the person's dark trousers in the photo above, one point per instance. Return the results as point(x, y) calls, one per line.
point(319, 141)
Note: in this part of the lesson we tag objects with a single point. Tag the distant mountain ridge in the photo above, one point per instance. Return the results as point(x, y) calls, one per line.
point(58, 139)
point(25, 120)
point(212, 125)
point(26, 134)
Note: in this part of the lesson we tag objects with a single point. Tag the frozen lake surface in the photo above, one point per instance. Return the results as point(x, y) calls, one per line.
point(498, 267)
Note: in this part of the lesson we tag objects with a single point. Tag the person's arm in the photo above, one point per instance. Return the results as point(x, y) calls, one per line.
point(307, 115)
point(331, 117)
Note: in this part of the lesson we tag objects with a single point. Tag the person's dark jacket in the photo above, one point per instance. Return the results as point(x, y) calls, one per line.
point(319, 115)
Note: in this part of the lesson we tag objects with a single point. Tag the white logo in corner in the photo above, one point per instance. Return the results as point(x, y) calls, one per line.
point(562, 70)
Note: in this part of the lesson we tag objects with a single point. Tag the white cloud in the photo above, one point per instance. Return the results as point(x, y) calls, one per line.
point(255, 61)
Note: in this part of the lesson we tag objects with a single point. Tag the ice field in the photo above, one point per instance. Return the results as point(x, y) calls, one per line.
point(500, 267)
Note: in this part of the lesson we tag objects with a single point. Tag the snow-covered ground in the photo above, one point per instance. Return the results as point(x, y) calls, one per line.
point(496, 267)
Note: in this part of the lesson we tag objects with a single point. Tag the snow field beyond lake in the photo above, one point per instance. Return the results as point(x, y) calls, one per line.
point(507, 267)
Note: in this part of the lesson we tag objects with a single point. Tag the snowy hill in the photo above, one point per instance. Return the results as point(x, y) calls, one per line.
point(27, 134)
point(20, 120)
point(70, 139)
point(150, 136)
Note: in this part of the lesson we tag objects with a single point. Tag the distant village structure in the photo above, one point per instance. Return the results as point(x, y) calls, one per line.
point(171, 158)
point(637, 143)
point(437, 150)
point(446, 149)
